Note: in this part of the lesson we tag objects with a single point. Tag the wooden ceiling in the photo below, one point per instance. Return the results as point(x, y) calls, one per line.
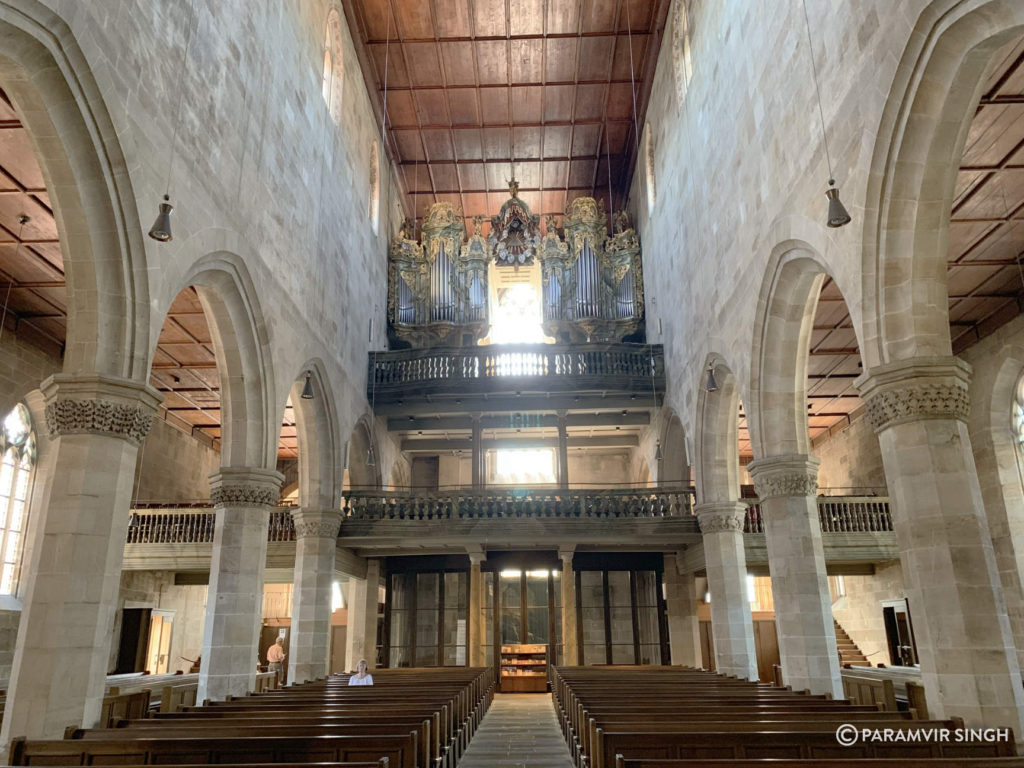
point(477, 88)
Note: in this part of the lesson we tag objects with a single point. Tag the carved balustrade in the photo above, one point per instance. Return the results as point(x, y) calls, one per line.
point(848, 514)
point(532, 503)
point(194, 525)
point(558, 367)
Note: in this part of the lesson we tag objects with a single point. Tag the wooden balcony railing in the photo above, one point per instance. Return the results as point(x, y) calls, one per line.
point(837, 514)
point(533, 503)
point(194, 526)
point(552, 367)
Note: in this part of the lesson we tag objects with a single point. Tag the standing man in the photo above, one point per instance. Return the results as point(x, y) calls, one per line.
point(275, 656)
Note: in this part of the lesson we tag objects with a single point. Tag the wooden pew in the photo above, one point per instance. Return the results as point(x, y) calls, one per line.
point(870, 690)
point(174, 698)
point(400, 749)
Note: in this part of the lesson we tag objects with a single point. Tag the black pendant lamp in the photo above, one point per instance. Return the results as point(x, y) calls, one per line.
point(307, 387)
point(837, 214)
point(161, 229)
point(710, 384)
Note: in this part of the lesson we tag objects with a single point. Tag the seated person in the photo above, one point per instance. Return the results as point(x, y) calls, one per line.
point(361, 677)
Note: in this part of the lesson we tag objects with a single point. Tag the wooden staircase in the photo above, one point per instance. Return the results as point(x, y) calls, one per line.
point(848, 650)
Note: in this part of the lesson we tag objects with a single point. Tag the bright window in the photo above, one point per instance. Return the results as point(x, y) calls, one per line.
point(15, 489)
point(525, 466)
point(516, 319)
point(325, 81)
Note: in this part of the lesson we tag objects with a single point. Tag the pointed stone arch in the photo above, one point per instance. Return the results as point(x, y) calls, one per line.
point(242, 350)
point(47, 77)
point(362, 475)
point(717, 441)
point(320, 444)
point(908, 205)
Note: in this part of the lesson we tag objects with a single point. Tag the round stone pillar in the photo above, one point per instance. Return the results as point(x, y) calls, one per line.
point(721, 523)
point(968, 664)
point(73, 577)
point(316, 541)
point(242, 500)
point(787, 487)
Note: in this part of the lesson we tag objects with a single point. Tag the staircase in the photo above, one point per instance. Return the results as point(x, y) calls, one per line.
point(848, 650)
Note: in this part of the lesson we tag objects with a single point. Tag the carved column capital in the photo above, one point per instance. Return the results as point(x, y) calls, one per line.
point(99, 405)
point(720, 516)
point(245, 487)
point(920, 388)
point(316, 523)
point(794, 474)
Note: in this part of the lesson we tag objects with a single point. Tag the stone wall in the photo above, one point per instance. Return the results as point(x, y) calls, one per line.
point(23, 366)
point(740, 169)
point(262, 177)
point(173, 467)
point(8, 635)
point(851, 460)
point(859, 612)
point(156, 589)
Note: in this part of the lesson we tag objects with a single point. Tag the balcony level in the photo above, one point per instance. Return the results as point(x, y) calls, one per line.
point(856, 531)
point(516, 377)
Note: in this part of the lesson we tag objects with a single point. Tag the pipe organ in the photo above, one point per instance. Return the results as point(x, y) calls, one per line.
point(438, 286)
point(593, 282)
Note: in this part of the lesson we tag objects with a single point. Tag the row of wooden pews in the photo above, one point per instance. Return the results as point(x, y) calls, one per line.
point(409, 718)
point(673, 717)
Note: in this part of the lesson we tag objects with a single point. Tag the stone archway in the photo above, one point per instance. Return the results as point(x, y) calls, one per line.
point(47, 77)
point(364, 459)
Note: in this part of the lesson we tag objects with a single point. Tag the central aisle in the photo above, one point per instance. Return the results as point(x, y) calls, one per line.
point(518, 731)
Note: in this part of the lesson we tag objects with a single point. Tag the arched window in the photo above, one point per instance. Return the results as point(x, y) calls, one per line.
point(333, 74)
point(375, 186)
point(682, 65)
point(652, 189)
point(1018, 415)
point(19, 457)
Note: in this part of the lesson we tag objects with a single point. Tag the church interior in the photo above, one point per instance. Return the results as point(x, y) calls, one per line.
point(628, 383)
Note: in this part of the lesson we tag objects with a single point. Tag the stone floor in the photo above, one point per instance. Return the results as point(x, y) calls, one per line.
point(518, 731)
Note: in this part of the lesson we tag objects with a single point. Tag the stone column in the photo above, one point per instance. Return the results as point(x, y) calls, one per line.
point(479, 458)
point(361, 633)
point(242, 499)
point(788, 488)
point(316, 540)
point(721, 523)
point(570, 623)
point(475, 626)
point(563, 450)
point(72, 579)
point(968, 663)
point(681, 607)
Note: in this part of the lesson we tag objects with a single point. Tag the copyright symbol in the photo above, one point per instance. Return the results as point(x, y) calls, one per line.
point(846, 734)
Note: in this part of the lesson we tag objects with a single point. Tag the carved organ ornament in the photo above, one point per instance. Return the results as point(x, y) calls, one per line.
point(592, 281)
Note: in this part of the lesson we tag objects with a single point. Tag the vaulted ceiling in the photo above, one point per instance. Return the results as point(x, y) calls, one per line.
point(550, 90)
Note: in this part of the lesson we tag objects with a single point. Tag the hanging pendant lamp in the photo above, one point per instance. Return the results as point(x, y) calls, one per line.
point(837, 215)
point(161, 229)
point(307, 387)
point(710, 384)
point(657, 452)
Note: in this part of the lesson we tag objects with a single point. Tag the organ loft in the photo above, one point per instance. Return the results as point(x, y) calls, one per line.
point(464, 383)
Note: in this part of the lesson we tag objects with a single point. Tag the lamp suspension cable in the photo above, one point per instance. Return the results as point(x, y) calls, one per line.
point(384, 117)
point(837, 215)
point(23, 219)
point(608, 160)
point(161, 229)
point(632, 83)
point(654, 401)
